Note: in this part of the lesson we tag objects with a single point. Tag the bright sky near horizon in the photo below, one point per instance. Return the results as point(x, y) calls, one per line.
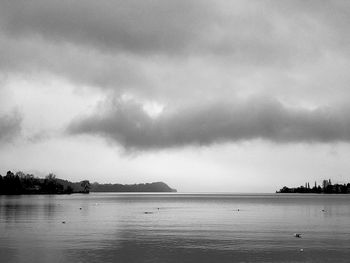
point(207, 96)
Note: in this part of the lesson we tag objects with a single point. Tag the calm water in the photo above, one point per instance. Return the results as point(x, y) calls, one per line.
point(175, 228)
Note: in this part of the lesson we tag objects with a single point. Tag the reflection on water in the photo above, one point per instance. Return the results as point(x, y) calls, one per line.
point(174, 228)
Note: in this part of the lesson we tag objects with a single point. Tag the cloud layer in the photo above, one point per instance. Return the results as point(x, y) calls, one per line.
point(129, 125)
point(152, 48)
point(201, 59)
point(10, 126)
point(137, 26)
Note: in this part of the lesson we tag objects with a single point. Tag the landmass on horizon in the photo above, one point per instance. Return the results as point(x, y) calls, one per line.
point(327, 188)
point(21, 183)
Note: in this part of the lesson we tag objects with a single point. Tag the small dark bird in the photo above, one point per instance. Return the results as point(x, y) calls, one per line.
point(63, 222)
point(297, 235)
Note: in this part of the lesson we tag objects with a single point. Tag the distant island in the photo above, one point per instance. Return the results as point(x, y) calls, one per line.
point(21, 183)
point(327, 188)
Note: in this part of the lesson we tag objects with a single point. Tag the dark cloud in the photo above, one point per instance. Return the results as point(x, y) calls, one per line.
point(138, 26)
point(102, 44)
point(136, 46)
point(79, 65)
point(177, 52)
point(261, 31)
point(10, 126)
point(129, 125)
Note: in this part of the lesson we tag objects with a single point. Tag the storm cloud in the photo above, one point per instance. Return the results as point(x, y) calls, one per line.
point(190, 55)
point(136, 46)
point(175, 27)
point(137, 26)
point(131, 126)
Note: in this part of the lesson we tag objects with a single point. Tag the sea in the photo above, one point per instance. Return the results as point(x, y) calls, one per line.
point(174, 227)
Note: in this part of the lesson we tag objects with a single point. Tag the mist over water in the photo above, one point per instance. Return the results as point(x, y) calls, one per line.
point(111, 227)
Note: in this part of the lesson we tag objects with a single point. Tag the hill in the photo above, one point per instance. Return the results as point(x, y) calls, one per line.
point(148, 187)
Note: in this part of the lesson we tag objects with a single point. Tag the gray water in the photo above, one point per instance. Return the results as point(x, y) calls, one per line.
point(112, 227)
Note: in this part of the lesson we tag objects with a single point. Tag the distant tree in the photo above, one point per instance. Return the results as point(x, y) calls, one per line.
point(1, 184)
point(50, 176)
point(69, 189)
point(29, 182)
point(10, 174)
point(50, 185)
point(20, 174)
point(86, 186)
point(18, 185)
point(328, 189)
point(9, 186)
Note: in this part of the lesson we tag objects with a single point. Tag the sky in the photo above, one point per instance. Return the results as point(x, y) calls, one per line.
point(204, 95)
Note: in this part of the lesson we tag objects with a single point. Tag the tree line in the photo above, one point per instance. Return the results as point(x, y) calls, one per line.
point(326, 188)
point(21, 183)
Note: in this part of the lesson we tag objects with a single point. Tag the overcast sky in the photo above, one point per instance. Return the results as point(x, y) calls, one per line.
point(207, 96)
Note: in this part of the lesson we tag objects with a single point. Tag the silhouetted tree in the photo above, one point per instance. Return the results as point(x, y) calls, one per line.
point(20, 174)
point(51, 186)
point(86, 186)
point(9, 183)
point(1, 184)
point(69, 190)
point(50, 176)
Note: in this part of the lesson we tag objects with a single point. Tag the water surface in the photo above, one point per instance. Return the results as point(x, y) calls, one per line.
point(111, 227)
